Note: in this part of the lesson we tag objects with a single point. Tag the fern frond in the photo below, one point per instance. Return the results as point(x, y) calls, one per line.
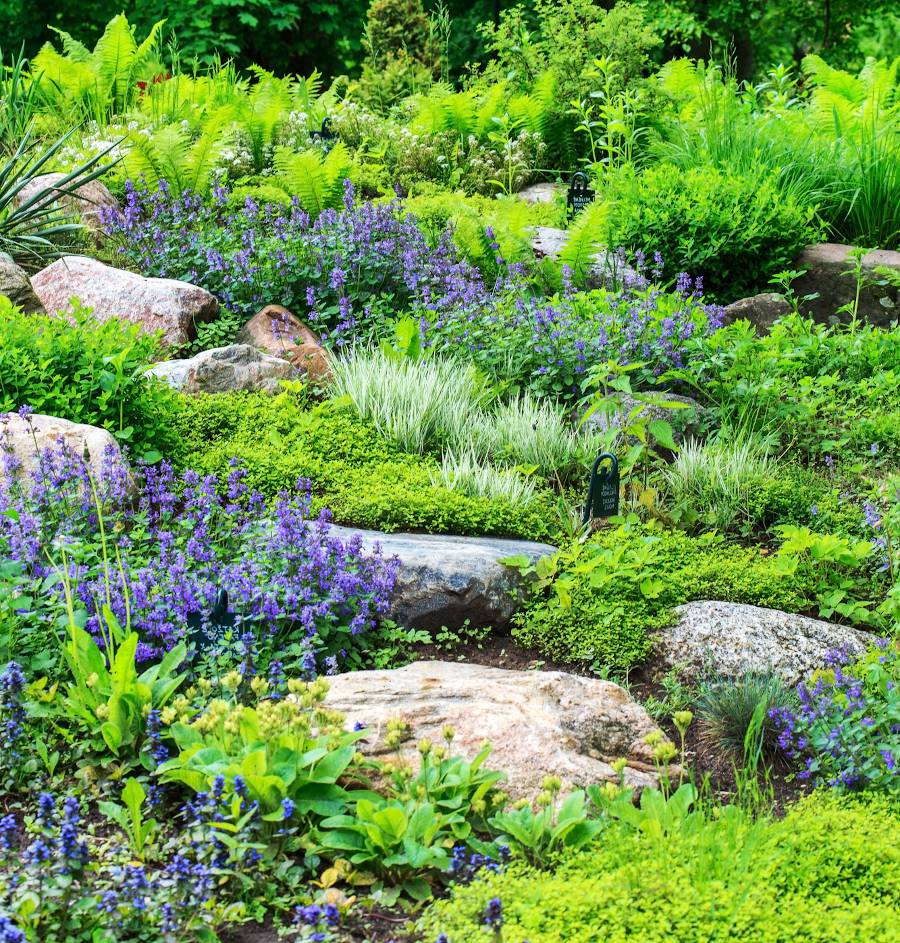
point(314, 181)
point(74, 50)
point(490, 107)
point(112, 59)
point(585, 239)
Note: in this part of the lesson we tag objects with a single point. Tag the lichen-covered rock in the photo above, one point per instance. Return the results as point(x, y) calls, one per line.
point(825, 266)
point(25, 439)
point(539, 723)
point(444, 580)
point(727, 639)
point(606, 270)
point(155, 304)
point(762, 311)
point(85, 201)
point(225, 370)
point(14, 284)
point(279, 332)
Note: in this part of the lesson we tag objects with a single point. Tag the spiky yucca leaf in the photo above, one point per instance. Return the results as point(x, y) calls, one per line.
point(32, 229)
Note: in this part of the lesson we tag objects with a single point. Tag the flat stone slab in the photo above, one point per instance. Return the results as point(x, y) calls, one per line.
point(539, 723)
point(826, 265)
point(445, 580)
point(728, 639)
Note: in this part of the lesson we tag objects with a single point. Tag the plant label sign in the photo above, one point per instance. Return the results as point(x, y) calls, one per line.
point(326, 137)
point(580, 194)
point(603, 489)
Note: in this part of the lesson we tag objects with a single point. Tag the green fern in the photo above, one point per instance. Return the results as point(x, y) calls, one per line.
point(316, 181)
point(171, 154)
point(100, 83)
point(586, 236)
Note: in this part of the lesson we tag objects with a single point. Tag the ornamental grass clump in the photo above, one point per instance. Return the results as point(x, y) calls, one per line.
point(157, 562)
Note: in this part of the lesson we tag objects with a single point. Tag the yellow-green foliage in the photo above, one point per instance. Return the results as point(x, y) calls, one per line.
point(362, 478)
point(316, 181)
point(510, 218)
point(829, 871)
point(99, 83)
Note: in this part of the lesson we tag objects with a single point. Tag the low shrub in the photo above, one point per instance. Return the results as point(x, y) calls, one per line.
point(606, 596)
point(546, 345)
point(736, 231)
point(363, 478)
point(84, 371)
point(827, 871)
point(800, 379)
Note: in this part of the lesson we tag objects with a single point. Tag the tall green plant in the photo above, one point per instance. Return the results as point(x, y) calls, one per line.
point(97, 83)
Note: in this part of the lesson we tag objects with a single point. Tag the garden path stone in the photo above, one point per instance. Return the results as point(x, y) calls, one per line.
point(539, 193)
point(85, 201)
point(825, 265)
point(730, 639)
point(685, 422)
point(606, 269)
point(279, 332)
point(539, 723)
point(155, 304)
point(28, 438)
point(445, 580)
point(762, 311)
point(225, 370)
point(14, 284)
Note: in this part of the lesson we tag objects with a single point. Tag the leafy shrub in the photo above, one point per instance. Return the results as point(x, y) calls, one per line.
point(609, 594)
point(545, 345)
point(724, 879)
point(84, 371)
point(734, 231)
point(845, 729)
point(364, 479)
point(802, 378)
